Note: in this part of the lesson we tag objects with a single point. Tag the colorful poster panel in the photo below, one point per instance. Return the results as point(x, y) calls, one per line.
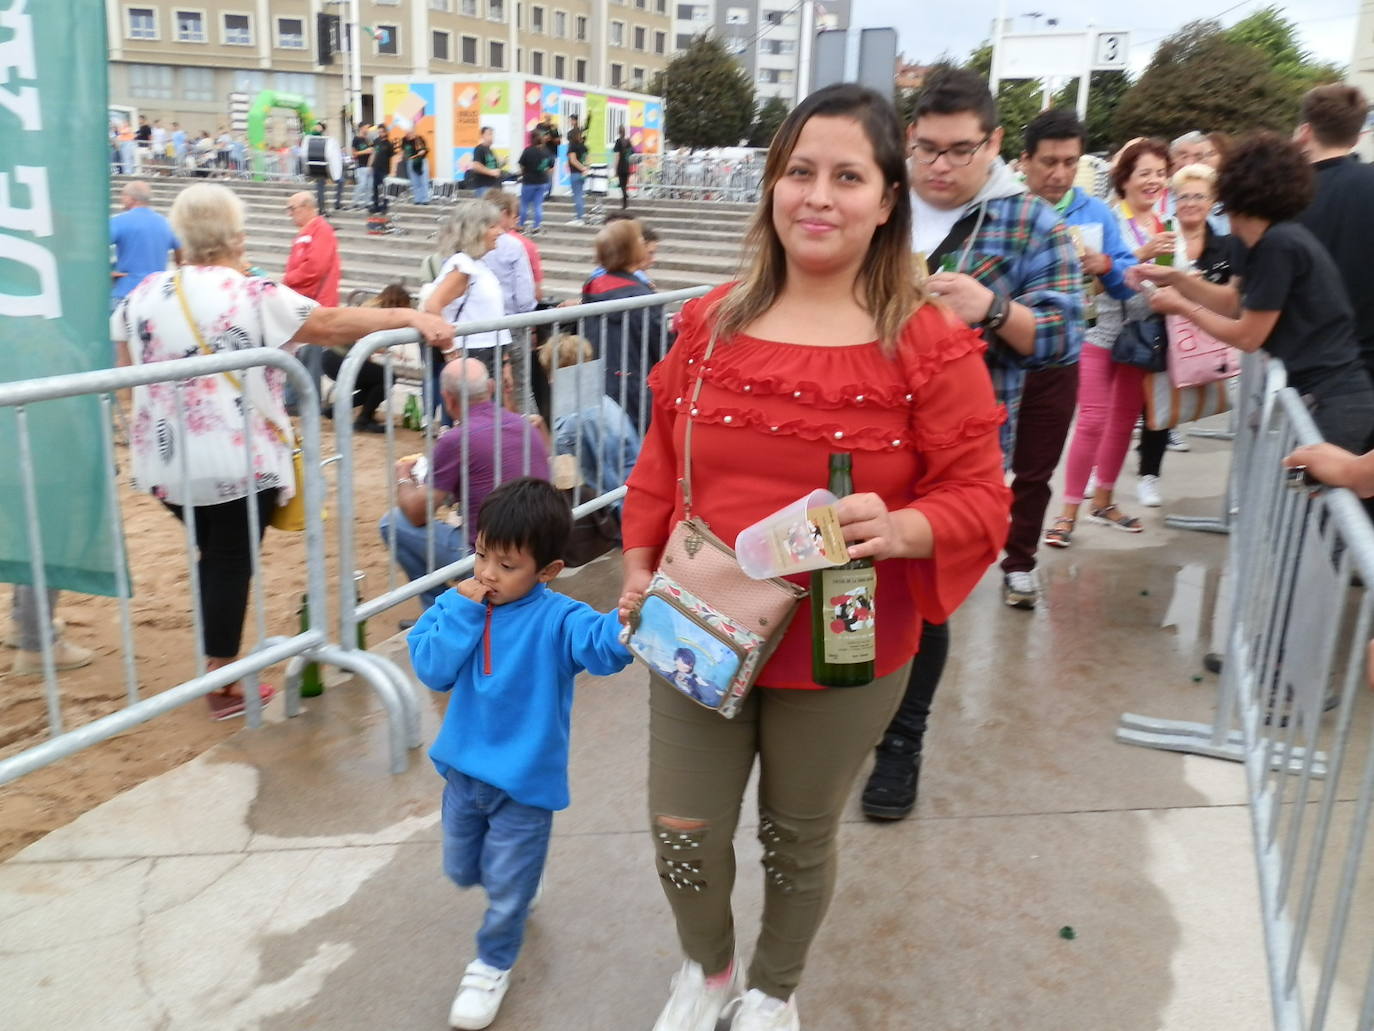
point(596, 128)
point(552, 96)
point(477, 105)
point(467, 124)
point(407, 106)
point(534, 111)
point(646, 126)
point(653, 127)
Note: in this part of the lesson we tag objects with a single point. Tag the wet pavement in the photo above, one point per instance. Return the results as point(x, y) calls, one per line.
point(284, 880)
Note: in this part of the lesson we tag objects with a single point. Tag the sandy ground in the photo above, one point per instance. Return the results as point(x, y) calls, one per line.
point(164, 646)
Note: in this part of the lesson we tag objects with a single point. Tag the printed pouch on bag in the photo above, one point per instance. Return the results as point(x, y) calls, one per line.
point(693, 648)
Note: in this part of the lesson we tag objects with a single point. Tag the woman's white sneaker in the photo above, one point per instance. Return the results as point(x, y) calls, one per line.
point(479, 997)
point(758, 1012)
point(1147, 492)
point(693, 1005)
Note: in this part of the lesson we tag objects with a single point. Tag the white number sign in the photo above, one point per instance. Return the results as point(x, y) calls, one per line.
point(1111, 51)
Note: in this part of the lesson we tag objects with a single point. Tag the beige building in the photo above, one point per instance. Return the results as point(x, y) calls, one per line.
point(1361, 72)
point(181, 61)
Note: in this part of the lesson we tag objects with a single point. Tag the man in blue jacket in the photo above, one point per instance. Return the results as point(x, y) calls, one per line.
point(1054, 145)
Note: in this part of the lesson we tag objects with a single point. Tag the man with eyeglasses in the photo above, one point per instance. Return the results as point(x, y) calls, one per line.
point(1003, 262)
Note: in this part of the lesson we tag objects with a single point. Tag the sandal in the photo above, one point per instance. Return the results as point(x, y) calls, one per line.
point(224, 706)
point(1113, 516)
point(1060, 535)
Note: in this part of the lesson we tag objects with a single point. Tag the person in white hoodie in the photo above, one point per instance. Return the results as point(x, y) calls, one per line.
point(1003, 261)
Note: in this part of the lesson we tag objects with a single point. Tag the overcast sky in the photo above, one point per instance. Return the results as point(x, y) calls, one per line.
point(928, 30)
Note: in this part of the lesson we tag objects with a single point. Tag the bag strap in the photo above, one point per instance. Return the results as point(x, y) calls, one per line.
point(956, 238)
point(234, 381)
point(686, 481)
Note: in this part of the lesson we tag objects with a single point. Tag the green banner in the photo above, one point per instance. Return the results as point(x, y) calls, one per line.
point(55, 284)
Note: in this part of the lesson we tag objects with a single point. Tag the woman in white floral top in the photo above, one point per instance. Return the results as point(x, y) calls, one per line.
point(200, 426)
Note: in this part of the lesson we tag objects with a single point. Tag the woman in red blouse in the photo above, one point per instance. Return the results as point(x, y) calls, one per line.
point(828, 343)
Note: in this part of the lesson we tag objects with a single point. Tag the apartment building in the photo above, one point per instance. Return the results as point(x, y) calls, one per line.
point(181, 61)
point(1361, 72)
point(763, 35)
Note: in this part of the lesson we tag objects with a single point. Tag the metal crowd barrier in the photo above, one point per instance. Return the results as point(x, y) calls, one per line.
point(1255, 382)
point(1296, 639)
point(698, 177)
point(310, 644)
point(274, 165)
point(575, 417)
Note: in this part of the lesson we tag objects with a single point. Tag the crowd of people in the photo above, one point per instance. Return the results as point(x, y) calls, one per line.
point(396, 151)
point(905, 298)
point(151, 147)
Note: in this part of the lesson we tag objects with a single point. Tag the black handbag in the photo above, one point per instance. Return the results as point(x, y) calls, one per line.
point(1144, 344)
point(593, 535)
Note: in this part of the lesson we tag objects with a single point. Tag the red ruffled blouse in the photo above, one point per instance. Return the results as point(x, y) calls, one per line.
point(922, 427)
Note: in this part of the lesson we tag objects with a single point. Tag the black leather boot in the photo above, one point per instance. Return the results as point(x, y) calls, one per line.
point(890, 793)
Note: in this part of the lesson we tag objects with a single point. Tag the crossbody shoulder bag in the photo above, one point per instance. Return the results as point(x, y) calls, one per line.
point(705, 628)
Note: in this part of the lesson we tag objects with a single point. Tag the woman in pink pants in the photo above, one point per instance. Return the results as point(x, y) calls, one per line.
point(1109, 394)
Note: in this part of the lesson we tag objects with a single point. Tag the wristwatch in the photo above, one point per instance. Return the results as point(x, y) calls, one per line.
point(997, 314)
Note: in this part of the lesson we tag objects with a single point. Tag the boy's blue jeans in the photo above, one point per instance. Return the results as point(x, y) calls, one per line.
point(532, 198)
point(492, 840)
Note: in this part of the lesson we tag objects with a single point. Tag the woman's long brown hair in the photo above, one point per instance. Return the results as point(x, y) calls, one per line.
point(889, 284)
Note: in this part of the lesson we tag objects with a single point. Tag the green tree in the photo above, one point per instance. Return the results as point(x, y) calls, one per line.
point(1276, 37)
point(771, 115)
point(708, 100)
point(1105, 90)
point(1201, 79)
point(906, 104)
point(1018, 101)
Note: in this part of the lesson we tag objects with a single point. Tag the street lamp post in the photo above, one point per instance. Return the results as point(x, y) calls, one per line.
point(350, 47)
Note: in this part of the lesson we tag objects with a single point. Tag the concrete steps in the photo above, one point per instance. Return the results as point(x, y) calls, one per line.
point(701, 241)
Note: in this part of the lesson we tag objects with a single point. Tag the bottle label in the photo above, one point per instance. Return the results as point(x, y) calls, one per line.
point(848, 626)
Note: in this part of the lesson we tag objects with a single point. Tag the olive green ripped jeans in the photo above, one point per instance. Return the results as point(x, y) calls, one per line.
point(810, 746)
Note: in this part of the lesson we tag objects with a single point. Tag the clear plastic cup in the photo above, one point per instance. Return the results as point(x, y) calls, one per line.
point(791, 540)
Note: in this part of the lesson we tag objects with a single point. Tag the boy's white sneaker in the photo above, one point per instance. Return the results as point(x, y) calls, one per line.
point(695, 1006)
point(758, 1012)
point(479, 997)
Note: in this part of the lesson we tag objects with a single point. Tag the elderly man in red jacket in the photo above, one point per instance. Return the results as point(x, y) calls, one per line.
point(312, 270)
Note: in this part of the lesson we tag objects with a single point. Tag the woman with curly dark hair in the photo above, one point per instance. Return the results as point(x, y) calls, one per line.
point(1288, 297)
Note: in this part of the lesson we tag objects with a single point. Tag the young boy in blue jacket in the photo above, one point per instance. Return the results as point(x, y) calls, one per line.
point(507, 648)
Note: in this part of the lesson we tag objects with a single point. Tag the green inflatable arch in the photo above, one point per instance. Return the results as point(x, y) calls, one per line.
point(257, 121)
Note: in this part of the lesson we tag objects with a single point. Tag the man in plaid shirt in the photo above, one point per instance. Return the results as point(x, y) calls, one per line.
point(1000, 258)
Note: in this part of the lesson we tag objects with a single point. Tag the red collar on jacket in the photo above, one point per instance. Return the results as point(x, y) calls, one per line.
point(608, 281)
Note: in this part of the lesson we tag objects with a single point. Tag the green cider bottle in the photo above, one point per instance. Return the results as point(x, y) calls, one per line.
point(312, 683)
point(1166, 259)
point(843, 637)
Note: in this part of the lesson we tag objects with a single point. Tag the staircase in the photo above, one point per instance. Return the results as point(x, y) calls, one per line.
point(701, 240)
